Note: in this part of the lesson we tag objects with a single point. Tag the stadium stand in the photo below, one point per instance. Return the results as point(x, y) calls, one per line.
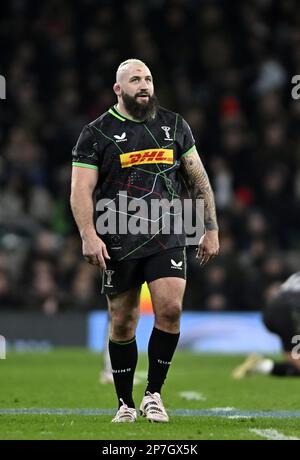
point(234, 88)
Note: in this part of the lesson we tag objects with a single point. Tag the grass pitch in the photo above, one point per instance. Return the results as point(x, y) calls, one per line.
point(68, 379)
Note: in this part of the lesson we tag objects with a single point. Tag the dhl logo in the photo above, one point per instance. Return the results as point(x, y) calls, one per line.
point(146, 156)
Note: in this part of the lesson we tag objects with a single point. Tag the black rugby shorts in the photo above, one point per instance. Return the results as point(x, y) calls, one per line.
point(120, 276)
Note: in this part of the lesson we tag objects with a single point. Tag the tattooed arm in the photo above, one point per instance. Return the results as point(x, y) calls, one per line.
point(200, 188)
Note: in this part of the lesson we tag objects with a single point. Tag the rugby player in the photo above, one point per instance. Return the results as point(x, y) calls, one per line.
point(143, 149)
point(282, 317)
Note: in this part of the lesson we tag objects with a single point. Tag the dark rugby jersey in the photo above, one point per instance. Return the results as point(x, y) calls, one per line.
point(135, 160)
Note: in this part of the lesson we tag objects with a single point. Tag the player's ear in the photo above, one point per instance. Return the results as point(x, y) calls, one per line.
point(117, 89)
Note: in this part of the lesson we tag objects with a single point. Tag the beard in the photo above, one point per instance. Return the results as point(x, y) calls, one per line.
point(140, 110)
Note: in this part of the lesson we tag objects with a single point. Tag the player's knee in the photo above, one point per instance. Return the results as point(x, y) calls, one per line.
point(123, 331)
point(123, 326)
point(170, 313)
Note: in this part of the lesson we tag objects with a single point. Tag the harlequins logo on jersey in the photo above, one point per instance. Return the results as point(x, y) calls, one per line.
point(147, 156)
point(167, 132)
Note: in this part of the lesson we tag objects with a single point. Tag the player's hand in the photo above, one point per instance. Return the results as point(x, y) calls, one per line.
point(208, 246)
point(94, 250)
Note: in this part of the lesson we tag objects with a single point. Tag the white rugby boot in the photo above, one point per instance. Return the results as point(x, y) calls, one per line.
point(153, 409)
point(125, 414)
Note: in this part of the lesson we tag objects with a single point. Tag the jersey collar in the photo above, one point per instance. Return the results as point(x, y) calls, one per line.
point(113, 111)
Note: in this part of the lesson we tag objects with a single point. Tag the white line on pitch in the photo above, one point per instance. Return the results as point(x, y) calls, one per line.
point(273, 434)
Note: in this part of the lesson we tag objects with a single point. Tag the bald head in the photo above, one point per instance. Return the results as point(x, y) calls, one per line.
point(129, 66)
point(134, 78)
point(134, 89)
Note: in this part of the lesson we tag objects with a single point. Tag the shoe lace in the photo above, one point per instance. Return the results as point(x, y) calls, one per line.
point(125, 411)
point(154, 403)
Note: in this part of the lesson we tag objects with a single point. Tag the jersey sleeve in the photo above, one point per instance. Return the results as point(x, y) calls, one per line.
point(188, 141)
point(85, 154)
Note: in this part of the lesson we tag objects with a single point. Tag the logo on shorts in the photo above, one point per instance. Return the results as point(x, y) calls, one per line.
point(121, 138)
point(109, 274)
point(177, 266)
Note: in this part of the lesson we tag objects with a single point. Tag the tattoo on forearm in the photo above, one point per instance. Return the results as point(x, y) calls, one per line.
point(201, 188)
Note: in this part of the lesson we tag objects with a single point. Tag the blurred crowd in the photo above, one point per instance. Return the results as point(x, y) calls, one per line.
point(226, 66)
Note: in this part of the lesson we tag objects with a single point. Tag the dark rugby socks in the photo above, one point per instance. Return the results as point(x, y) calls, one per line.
point(123, 356)
point(161, 348)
